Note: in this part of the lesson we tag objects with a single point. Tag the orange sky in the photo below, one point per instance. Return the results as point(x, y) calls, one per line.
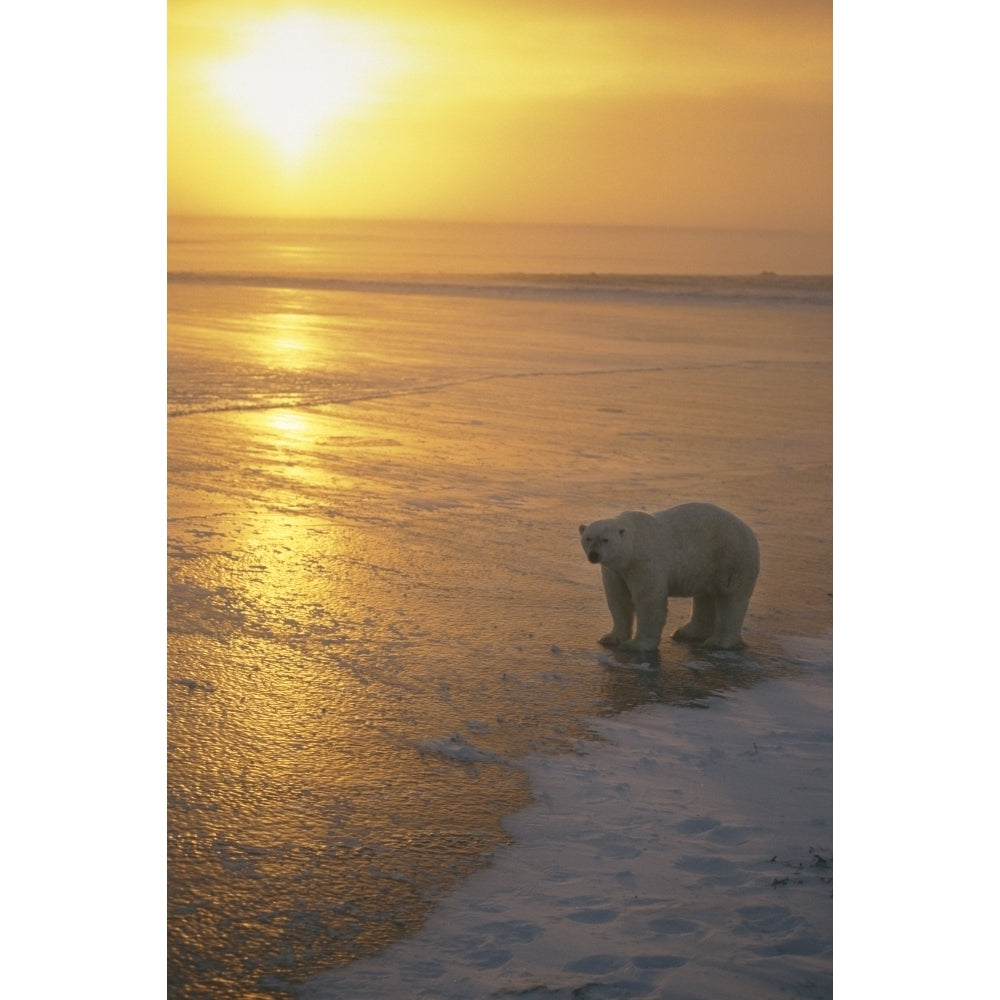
point(710, 113)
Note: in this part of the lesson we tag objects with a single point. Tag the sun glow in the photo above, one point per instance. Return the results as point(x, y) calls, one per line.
point(630, 113)
point(297, 74)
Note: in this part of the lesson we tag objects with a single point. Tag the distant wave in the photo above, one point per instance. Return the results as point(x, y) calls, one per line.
point(763, 289)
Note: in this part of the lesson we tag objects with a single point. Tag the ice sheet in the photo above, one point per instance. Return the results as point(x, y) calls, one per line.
point(688, 854)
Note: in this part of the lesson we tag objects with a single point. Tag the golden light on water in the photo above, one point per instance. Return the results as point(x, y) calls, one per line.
point(292, 437)
point(360, 569)
point(290, 423)
point(297, 73)
point(289, 341)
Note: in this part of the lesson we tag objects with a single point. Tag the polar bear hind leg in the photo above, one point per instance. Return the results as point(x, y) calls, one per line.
point(702, 624)
point(728, 631)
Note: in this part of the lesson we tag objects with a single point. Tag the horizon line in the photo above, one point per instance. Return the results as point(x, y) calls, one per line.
point(485, 223)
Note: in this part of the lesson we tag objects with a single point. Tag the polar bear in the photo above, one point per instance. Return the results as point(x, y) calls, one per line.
point(695, 550)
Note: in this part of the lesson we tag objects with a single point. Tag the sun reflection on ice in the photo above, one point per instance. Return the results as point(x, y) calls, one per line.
point(288, 341)
point(290, 423)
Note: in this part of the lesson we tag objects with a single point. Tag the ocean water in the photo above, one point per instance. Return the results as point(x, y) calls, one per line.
point(381, 442)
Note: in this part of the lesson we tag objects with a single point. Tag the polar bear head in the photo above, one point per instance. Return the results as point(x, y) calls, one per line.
point(606, 542)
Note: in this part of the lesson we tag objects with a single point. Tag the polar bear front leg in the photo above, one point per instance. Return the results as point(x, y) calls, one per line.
point(702, 624)
point(620, 605)
point(650, 617)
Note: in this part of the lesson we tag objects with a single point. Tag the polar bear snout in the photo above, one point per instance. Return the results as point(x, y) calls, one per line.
point(594, 556)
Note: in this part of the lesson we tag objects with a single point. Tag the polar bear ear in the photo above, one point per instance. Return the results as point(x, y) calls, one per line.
point(621, 531)
point(583, 528)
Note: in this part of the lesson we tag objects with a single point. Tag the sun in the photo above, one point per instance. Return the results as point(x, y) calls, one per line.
point(296, 74)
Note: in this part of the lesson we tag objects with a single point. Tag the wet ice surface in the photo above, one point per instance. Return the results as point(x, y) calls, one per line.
point(687, 855)
point(379, 610)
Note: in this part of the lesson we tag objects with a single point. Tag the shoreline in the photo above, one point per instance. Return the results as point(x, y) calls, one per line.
point(687, 850)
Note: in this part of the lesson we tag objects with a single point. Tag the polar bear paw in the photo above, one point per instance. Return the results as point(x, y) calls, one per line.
point(612, 639)
point(639, 645)
point(690, 633)
point(716, 642)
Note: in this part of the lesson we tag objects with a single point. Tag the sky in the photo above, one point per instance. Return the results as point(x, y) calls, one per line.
point(702, 113)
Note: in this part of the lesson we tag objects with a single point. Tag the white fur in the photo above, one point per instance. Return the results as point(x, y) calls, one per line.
point(695, 550)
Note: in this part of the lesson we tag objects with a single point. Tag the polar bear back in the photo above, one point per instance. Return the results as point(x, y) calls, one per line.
point(704, 549)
